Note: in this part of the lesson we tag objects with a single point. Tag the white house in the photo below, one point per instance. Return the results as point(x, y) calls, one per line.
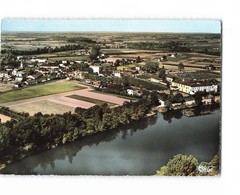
point(134, 92)
point(154, 80)
point(161, 102)
point(18, 78)
point(39, 60)
point(129, 91)
point(117, 74)
point(95, 69)
point(19, 57)
point(137, 68)
point(3, 74)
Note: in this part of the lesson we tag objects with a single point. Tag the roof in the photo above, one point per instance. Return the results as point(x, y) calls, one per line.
point(197, 83)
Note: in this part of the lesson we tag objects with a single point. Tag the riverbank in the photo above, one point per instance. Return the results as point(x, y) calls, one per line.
point(29, 150)
point(34, 134)
point(186, 110)
point(148, 143)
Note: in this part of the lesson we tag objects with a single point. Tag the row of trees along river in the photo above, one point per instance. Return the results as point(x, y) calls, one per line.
point(33, 134)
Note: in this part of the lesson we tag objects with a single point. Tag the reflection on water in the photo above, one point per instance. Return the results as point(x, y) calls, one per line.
point(137, 149)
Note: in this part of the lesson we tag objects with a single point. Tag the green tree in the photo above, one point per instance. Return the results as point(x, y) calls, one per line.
point(95, 52)
point(181, 66)
point(162, 74)
point(179, 165)
point(198, 99)
point(117, 62)
point(178, 98)
point(138, 59)
point(151, 67)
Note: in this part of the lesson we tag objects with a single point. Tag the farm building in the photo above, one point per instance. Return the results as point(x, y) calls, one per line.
point(191, 87)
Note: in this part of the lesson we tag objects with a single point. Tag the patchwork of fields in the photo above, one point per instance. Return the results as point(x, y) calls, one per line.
point(58, 100)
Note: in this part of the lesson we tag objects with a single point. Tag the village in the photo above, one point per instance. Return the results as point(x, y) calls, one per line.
point(178, 86)
point(102, 102)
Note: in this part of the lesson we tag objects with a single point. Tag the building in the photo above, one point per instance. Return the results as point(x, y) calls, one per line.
point(134, 91)
point(4, 74)
point(117, 74)
point(161, 102)
point(169, 78)
point(19, 57)
point(189, 101)
point(207, 100)
point(39, 60)
point(191, 87)
point(96, 69)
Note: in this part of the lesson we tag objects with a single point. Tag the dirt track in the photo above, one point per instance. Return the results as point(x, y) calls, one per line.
point(4, 118)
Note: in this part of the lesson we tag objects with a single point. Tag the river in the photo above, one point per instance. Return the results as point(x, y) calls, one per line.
point(137, 149)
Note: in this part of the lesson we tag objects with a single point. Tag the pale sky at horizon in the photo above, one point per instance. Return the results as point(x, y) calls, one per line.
point(118, 25)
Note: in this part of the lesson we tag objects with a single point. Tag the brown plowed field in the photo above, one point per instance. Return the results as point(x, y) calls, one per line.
point(59, 103)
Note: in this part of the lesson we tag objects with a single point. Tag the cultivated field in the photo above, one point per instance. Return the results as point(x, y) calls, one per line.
point(63, 102)
point(44, 106)
point(91, 100)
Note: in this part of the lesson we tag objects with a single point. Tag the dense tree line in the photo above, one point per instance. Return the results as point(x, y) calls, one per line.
point(170, 46)
point(23, 137)
point(125, 81)
point(43, 50)
point(80, 40)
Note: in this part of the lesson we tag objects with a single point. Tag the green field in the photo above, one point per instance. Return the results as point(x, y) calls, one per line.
point(90, 100)
point(39, 90)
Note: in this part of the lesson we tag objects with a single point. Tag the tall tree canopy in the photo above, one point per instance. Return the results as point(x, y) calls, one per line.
point(95, 52)
point(151, 67)
point(179, 165)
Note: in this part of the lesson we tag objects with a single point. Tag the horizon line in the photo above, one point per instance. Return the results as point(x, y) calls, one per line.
point(6, 31)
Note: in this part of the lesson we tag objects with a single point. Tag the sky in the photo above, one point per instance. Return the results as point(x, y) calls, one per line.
point(48, 25)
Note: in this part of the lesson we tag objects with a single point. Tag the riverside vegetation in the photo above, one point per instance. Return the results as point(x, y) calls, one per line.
point(32, 134)
point(187, 165)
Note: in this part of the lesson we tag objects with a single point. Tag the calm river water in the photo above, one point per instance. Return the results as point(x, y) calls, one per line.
point(138, 149)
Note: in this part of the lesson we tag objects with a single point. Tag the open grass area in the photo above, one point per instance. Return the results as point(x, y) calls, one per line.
point(90, 100)
point(39, 90)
